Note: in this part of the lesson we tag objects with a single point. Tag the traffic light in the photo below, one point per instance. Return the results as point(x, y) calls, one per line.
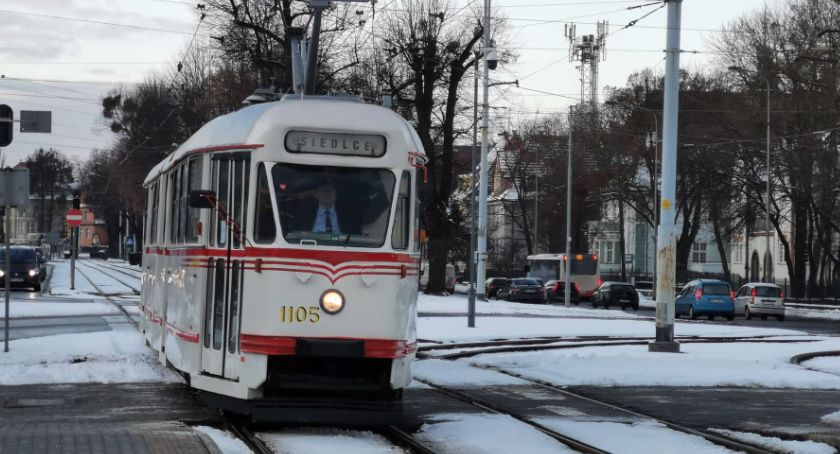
point(7, 118)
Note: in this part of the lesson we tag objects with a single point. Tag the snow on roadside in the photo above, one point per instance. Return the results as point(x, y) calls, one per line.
point(829, 364)
point(820, 314)
point(777, 444)
point(103, 357)
point(316, 440)
point(225, 441)
point(454, 329)
point(642, 437)
point(20, 309)
point(486, 433)
point(832, 418)
point(457, 304)
point(717, 364)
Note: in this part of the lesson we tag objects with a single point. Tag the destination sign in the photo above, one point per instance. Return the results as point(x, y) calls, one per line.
point(366, 145)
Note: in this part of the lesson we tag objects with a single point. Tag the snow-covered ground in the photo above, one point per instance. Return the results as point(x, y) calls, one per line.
point(457, 304)
point(103, 357)
point(778, 445)
point(35, 308)
point(829, 364)
point(326, 440)
point(60, 283)
point(225, 441)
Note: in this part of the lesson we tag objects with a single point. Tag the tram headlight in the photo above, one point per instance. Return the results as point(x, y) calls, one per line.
point(332, 301)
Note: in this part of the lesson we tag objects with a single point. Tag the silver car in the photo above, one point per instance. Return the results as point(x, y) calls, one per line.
point(760, 299)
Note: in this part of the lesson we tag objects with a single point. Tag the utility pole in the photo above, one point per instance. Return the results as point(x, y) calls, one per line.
point(567, 297)
point(485, 125)
point(666, 242)
point(473, 217)
point(769, 264)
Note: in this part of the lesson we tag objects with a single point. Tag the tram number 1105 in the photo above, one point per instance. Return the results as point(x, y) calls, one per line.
point(299, 314)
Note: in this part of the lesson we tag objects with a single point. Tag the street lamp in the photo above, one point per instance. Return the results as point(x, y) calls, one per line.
point(769, 254)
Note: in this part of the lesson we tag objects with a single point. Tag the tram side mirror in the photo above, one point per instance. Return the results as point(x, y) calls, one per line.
point(201, 198)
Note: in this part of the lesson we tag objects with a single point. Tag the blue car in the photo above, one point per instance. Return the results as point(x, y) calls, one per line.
point(709, 297)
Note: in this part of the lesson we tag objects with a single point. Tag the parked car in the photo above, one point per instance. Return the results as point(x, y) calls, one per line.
point(760, 299)
point(492, 285)
point(25, 269)
point(521, 289)
point(610, 293)
point(645, 288)
point(709, 297)
point(450, 282)
point(554, 290)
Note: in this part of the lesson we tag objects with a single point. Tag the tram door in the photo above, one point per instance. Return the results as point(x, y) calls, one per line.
point(229, 174)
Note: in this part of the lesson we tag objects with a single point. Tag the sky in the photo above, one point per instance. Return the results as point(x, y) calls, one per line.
point(65, 55)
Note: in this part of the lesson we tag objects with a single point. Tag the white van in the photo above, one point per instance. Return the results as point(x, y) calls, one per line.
point(450, 276)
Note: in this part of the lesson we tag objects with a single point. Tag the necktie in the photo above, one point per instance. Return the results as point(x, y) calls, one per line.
point(328, 227)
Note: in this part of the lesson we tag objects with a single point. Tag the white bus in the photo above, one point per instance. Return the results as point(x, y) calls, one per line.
point(584, 270)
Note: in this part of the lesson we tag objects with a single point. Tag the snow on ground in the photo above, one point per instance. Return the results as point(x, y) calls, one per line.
point(486, 434)
point(457, 304)
point(60, 283)
point(830, 364)
point(225, 441)
point(642, 436)
point(34, 308)
point(821, 314)
point(833, 418)
point(719, 364)
point(317, 440)
point(104, 357)
point(454, 329)
point(777, 444)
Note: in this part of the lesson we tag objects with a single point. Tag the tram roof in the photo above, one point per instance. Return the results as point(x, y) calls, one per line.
point(246, 126)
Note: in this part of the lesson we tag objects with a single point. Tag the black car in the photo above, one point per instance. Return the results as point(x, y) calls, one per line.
point(26, 269)
point(619, 293)
point(493, 285)
point(521, 289)
point(556, 291)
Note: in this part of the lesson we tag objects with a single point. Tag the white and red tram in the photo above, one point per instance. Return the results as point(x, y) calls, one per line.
point(281, 256)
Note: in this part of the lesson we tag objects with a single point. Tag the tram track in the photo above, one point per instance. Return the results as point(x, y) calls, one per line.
point(524, 345)
point(111, 300)
point(134, 290)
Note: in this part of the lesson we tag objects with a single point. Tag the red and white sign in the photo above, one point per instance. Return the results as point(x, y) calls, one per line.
point(74, 217)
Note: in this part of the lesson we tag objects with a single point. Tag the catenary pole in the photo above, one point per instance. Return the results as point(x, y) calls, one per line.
point(7, 266)
point(769, 264)
point(473, 214)
point(485, 125)
point(666, 242)
point(567, 284)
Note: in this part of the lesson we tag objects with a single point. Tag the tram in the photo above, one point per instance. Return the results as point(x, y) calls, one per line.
point(281, 258)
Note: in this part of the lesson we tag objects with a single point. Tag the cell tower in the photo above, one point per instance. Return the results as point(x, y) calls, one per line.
point(589, 50)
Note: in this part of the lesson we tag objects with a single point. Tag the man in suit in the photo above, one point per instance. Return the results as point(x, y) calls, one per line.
point(326, 216)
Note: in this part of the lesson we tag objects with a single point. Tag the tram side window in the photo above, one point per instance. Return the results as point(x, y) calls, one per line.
point(402, 218)
point(153, 229)
point(191, 214)
point(266, 229)
point(147, 226)
point(173, 205)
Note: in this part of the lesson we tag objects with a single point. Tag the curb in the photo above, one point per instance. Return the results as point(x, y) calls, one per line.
point(802, 357)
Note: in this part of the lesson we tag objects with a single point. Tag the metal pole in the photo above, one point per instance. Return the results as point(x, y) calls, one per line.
point(312, 60)
point(537, 204)
point(8, 269)
point(655, 181)
point(567, 297)
point(769, 265)
point(73, 258)
point(471, 305)
point(482, 194)
point(666, 244)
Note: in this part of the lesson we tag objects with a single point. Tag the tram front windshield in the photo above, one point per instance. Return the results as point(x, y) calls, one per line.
point(336, 206)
